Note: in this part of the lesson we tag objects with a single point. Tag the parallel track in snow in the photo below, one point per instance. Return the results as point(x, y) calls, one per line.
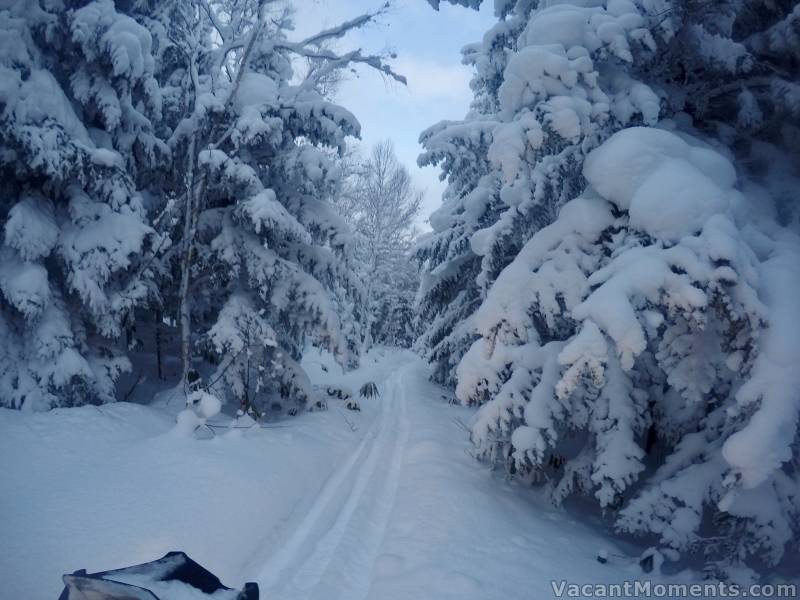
point(331, 552)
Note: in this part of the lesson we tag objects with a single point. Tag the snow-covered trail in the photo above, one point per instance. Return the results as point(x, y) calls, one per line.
point(408, 514)
point(332, 551)
point(310, 508)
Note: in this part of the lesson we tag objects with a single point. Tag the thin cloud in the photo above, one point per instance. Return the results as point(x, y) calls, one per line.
point(434, 81)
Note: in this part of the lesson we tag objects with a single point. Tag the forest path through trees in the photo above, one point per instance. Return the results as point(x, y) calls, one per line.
point(333, 549)
point(408, 515)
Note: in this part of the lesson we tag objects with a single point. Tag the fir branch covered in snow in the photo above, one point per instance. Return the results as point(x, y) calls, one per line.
point(79, 109)
point(603, 276)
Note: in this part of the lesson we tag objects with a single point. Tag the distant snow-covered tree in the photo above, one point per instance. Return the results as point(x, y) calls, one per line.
point(608, 277)
point(78, 111)
point(381, 205)
point(394, 319)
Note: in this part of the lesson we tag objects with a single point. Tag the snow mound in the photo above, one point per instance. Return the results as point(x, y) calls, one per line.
point(670, 187)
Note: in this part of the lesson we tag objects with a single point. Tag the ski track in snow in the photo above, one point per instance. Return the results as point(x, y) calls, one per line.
point(332, 551)
point(409, 514)
point(396, 509)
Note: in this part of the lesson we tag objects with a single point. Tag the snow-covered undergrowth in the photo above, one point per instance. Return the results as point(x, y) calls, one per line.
point(312, 510)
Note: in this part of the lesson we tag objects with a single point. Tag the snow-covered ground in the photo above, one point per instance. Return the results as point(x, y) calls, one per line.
point(384, 503)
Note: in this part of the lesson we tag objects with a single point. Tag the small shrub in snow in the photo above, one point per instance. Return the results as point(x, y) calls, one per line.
point(369, 390)
point(320, 404)
point(204, 404)
point(200, 406)
point(339, 392)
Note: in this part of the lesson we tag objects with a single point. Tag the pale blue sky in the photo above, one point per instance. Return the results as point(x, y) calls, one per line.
point(428, 45)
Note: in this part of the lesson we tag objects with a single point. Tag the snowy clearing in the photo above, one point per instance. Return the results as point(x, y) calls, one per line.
point(395, 509)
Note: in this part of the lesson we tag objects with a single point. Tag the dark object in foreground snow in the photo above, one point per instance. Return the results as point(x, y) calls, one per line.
point(152, 581)
point(340, 392)
point(369, 390)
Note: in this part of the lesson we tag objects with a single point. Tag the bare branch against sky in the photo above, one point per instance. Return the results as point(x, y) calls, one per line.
point(428, 45)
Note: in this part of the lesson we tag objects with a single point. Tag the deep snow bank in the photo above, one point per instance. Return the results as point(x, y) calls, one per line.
point(101, 488)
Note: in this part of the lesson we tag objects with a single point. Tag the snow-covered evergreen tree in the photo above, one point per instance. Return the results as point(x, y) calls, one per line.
point(612, 235)
point(449, 291)
point(540, 105)
point(171, 142)
point(78, 103)
point(260, 263)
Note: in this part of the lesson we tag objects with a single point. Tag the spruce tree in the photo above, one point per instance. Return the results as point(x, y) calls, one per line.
point(635, 247)
point(78, 104)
